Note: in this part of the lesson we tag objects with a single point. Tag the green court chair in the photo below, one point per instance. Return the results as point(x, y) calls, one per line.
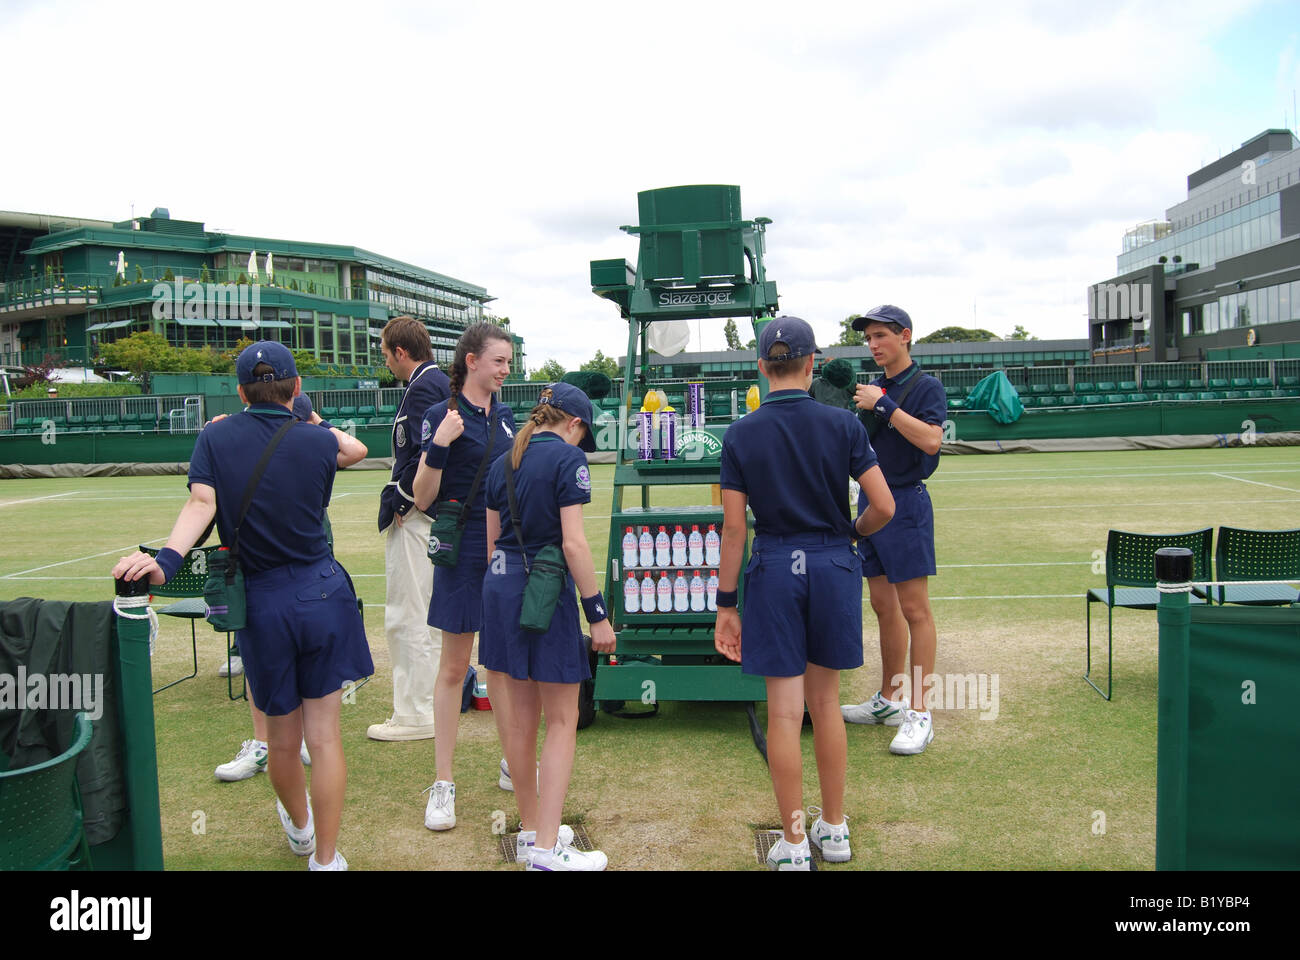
point(42, 826)
point(1240, 383)
point(1257, 555)
point(1218, 383)
point(186, 588)
point(1128, 386)
point(1085, 387)
point(1131, 581)
point(1060, 389)
point(1116, 398)
point(1107, 386)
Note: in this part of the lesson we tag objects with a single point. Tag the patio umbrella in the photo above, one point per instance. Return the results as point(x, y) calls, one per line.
point(121, 264)
point(252, 266)
point(270, 269)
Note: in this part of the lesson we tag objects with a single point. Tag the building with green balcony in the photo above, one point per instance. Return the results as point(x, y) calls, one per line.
point(70, 286)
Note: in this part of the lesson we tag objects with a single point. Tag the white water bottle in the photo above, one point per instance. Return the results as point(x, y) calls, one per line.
point(646, 547)
point(629, 548)
point(661, 547)
point(712, 547)
point(711, 591)
point(647, 593)
point(695, 545)
point(679, 547)
point(697, 593)
point(681, 593)
point(631, 595)
point(664, 591)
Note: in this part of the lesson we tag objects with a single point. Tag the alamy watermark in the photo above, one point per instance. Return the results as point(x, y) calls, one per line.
point(54, 691)
point(954, 691)
point(212, 301)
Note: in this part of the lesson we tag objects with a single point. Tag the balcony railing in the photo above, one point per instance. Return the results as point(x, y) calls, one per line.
point(57, 287)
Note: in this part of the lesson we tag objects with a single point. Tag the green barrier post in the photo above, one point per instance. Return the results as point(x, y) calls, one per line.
point(138, 738)
point(1173, 576)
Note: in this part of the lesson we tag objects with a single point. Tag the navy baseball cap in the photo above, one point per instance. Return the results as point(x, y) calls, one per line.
point(302, 407)
point(265, 351)
point(885, 313)
point(570, 399)
point(793, 332)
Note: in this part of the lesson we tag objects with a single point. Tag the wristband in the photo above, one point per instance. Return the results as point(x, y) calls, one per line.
point(885, 408)
point(169, 561)
point(326, 424)
point(727, 598)
point(593, 608)
point(436, 456)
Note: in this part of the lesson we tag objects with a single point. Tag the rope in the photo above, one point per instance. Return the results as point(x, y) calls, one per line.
point(122, 604)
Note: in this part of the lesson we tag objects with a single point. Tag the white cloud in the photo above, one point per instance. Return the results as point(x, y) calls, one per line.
point(934, 155)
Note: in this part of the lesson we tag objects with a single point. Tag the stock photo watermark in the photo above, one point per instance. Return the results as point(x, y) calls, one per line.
point(55, 691)
point(214, 301)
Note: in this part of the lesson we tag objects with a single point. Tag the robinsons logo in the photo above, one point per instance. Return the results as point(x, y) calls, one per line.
point(55, 691)
point(213, 301)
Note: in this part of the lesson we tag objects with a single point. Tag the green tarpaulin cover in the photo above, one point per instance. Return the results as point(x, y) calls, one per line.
point(996, 395)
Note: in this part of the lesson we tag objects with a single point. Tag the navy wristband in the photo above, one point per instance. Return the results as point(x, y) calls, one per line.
point(326, 424)
point(437, 456)
point(593, 608)
point(169, 561)
point(885, 408)
point(727, 598)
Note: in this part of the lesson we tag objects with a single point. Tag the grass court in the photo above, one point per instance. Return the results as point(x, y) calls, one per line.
point(1017, 539)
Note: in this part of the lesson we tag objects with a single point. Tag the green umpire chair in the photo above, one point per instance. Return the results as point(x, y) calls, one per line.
point(1131, 581)
point(42, 825)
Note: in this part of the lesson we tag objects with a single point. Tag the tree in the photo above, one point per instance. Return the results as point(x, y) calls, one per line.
point(732, 334)
point(848, 336)
point(140, 352)
point(602, 364)
point(552, 371)
point(1020, 333)
point(751, 345)
point(958, 335)
point(306, 363)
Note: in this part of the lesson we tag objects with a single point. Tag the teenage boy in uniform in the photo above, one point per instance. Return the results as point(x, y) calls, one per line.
point(304, 638)
point(898, 560)
point(413, 650)
point(788, 461)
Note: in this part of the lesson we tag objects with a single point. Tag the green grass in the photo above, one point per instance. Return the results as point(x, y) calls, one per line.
point(684, 790)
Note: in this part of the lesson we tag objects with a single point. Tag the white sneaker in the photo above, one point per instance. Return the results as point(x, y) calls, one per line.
point(789, 856)
point(391, 730)
point(305, 757)
point(526, 840)
point(302, 840)
point(248, 762)
point(915, 733)
point(875, 710)
point(504, 781)
point(233, 669)
point(566, 858)
point(338, 863)
point(832, 839)
point(440, 812)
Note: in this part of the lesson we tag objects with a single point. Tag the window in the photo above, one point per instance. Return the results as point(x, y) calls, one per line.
point(1270, 305)
point(1284, 303)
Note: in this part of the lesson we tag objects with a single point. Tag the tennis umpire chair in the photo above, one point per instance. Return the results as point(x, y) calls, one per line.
point(1257, 555)
point(42, 824)
point(1130, 567)
point(187, 589)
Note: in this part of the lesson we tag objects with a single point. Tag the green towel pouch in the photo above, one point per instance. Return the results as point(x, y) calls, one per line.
point(223, 592)
point(546, 576)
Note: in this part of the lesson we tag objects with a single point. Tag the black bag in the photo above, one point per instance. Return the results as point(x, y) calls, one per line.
point(223, 591)
point(449, 526)
point(872, 422)
point(546, 575)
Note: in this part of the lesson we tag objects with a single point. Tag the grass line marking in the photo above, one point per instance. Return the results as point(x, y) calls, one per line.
point(53, 496)
point(106, 553)
point(1228, 476)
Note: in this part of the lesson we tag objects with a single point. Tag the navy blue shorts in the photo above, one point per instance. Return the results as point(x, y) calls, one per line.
point(457, 602)
point(305, 637)
point(904, 548)
point(803, 604)
point(557, 656)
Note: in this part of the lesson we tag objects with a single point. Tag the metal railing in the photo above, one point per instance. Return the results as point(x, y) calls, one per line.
point(78, 356)
point(134, 412)
point(52, 287)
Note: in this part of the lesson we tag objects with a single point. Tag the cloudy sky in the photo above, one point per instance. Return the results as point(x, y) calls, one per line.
point(976, 164)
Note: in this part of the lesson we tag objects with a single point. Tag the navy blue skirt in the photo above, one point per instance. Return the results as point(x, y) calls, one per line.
point(557, 656)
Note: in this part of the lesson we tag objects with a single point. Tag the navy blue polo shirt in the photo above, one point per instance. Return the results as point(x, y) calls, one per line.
point(902, 463)
point(283, 524)
point(793, 457)
point(426, 387)
point(551, 475)
point(466, 451)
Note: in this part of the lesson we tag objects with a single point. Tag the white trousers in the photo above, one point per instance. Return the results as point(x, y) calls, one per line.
point(414, 648)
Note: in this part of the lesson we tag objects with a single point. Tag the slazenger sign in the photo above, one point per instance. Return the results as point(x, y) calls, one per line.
point(713, 297)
